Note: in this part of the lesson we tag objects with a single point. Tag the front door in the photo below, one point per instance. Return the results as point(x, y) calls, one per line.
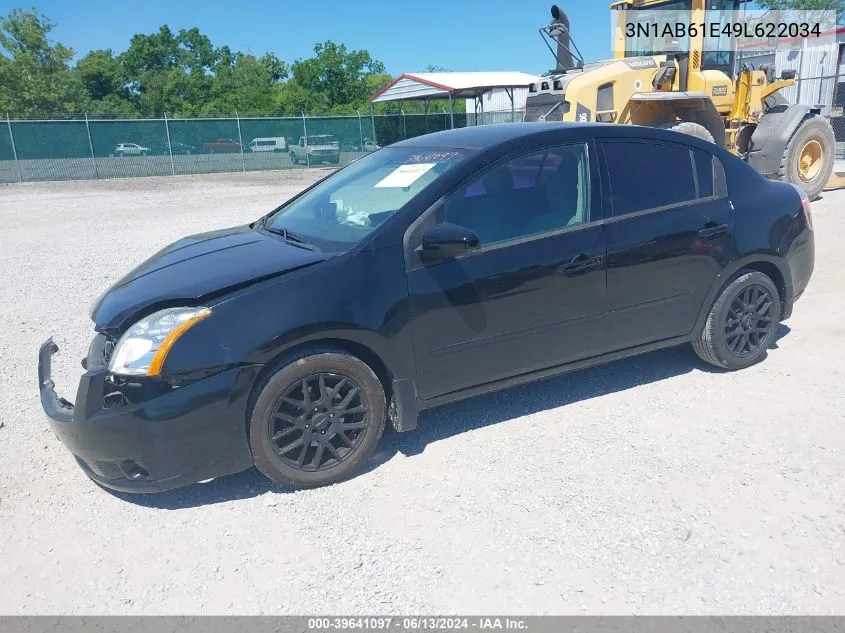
point(669, 236)
point(533, 295)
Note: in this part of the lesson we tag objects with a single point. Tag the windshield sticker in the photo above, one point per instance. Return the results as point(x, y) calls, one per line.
point(437, 157)
point(405, 175)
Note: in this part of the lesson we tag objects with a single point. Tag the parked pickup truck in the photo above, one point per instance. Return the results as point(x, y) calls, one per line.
point(221, 146)
point(321, 148)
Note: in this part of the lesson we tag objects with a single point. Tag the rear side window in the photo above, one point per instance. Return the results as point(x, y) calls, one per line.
point(704, 170)
point(720, 186)
point(647, 176)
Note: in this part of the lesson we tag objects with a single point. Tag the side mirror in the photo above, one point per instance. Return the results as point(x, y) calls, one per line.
point(446, 241)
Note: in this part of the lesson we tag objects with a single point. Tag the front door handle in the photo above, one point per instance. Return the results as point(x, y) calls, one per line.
point(711, 229)
point(580, 263)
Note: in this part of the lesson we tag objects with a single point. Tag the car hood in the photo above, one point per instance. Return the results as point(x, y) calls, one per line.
point(197, 267)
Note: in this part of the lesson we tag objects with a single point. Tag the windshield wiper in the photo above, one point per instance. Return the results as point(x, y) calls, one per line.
point(291, 238)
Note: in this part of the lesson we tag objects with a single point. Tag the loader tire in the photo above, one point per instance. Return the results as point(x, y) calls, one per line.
point(808, 158)
point(693, 129)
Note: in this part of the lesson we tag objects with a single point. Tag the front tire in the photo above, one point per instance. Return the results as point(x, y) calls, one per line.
point(316, 419)
point(808, 158)
point(742, 323)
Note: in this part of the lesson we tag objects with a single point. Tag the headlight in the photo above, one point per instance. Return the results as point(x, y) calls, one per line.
point(142, 349)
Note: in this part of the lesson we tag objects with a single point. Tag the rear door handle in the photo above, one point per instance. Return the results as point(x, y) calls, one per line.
point(580, 263)
point(710, 229)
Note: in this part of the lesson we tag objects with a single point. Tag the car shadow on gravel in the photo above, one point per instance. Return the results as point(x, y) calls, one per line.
point(461, 417)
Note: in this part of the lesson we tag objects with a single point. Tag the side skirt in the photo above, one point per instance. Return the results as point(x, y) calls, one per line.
point(549, 372)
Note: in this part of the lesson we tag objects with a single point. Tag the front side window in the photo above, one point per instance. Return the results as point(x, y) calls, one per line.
point(647, 175)
point(546, 190)
point(350, 204)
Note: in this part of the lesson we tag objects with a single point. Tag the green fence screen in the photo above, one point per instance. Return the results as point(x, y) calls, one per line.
point(82, 148)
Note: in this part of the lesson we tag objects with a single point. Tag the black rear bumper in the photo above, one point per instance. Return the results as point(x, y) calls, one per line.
point(189, 434)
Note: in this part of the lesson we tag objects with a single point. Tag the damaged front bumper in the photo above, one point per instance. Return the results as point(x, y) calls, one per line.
point(56, 408)
point(175, 437)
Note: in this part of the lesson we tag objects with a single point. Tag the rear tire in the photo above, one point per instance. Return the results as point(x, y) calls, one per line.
point(690, 128)
point(814, 136)
point(316, 418)
point(742, 323)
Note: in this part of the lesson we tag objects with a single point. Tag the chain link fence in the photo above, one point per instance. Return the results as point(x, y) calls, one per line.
point(89, 148)
point(82, 148)
point(837, 120)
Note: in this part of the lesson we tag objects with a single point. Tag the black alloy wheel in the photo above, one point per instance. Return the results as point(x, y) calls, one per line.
point(315, 417)
point(319, 421)
point(748, 325)
point(742, 322)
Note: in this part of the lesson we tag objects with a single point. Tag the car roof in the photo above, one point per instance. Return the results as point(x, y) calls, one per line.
point(488, 136)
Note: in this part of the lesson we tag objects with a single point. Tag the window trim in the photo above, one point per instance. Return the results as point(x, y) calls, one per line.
point(595, 185)
point(665, 207)
point(608, 182)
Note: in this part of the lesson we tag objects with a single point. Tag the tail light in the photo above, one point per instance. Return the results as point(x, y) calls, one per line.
point(805, 204)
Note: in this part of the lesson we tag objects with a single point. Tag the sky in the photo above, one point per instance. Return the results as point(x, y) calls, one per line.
point(468, 35)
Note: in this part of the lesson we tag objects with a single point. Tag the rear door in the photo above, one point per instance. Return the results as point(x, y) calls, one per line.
point(533, 295)
point(669, 236)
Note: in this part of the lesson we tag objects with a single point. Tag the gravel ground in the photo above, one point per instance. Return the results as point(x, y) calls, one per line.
point(654, 485)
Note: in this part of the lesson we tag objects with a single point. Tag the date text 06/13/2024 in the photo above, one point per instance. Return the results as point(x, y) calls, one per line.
point(418, 623)
point(718, 29)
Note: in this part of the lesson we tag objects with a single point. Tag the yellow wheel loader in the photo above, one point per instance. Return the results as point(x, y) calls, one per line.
point(692, 91)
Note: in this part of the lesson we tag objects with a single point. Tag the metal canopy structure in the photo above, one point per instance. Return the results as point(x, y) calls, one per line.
point(473, 85)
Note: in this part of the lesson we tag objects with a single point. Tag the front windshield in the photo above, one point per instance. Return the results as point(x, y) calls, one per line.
point(347, 206)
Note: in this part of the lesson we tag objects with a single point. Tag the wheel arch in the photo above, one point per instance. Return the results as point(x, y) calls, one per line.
point(399, 391)
point(770, 266)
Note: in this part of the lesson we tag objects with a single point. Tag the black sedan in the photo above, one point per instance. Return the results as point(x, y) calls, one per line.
point(442, 267)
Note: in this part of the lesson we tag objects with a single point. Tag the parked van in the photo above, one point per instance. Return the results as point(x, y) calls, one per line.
point(269, 144)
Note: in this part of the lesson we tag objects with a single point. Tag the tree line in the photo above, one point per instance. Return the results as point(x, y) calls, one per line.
point(183, 73)
point(180, 73)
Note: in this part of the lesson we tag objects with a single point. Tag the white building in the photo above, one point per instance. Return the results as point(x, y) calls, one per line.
point(820, 66)
point(504, 93)
point(494, 106)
